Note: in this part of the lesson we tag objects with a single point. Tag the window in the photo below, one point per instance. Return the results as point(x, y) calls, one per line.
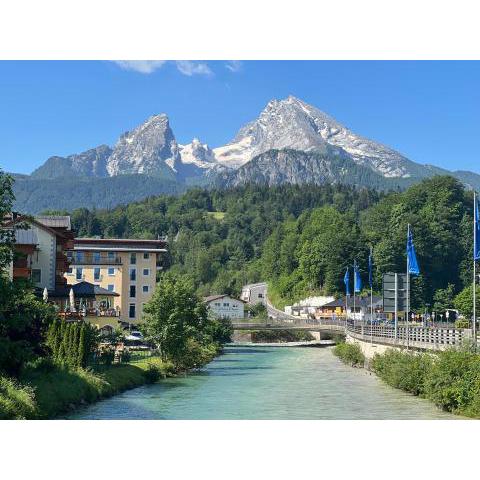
point(260, 295)
point(133, 291)
point(79, 273)
point(36, 275)
point(111, 256)
point(111, 288)
point(111, 271)
point(226, 304)
point(145, 289)
point(96, 274)
point(80, 256)
point(146, 256)
point(70, 255)
point(133, 258)
point(146, 272)
point(133, 274)
point(131, 311)
point(217, 304)
point(96, 257)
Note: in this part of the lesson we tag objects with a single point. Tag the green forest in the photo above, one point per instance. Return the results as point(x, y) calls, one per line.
point(301, 238)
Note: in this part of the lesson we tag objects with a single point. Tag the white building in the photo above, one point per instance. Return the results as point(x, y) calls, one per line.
point(307, 307)
point(254, 293)
point(224, 306)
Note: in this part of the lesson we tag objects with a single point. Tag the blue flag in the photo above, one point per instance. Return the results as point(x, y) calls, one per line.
point(346, 281)
point(357, 281)
point(413, 268)
point(476, 247)
point(370, 269)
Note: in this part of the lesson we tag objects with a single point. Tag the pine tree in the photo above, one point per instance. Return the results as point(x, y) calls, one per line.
point(82, 350)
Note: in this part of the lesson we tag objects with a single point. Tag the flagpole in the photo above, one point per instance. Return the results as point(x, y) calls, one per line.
point(408, 289)
point(354, 288)
point(371, 293)
point(475, 220)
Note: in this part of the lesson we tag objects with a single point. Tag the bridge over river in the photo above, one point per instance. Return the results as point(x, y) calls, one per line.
point(404, 336)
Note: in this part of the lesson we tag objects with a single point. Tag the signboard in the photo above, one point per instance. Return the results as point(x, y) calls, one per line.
point(389, 292)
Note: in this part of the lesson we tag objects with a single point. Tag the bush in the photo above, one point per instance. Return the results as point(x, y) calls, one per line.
point(405, 370)
point(453, 383)
point(462, 323)
point(349, 353)
point(152, 373)
point(17, 402)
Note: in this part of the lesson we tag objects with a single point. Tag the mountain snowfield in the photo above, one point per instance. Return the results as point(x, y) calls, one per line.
point(315, 149)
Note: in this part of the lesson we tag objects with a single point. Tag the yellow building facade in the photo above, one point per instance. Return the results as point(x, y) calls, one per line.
point(127, 267)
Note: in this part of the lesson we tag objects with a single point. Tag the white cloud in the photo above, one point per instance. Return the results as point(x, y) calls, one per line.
point(187, 67)
point(141, 66)
point(233, 65)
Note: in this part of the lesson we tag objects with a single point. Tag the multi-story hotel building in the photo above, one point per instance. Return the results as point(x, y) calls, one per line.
point(41, 246)
point(127, 267)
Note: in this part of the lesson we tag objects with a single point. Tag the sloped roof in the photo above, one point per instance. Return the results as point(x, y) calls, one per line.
point(55, 221)
point(83, 290)
point(26, 237)
point(211, 298)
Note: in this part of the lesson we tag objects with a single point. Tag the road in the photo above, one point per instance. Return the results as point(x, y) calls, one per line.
point(272, 311)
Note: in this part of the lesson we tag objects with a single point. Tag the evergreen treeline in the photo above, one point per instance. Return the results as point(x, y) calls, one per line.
point(72, 343)
point(301, 238)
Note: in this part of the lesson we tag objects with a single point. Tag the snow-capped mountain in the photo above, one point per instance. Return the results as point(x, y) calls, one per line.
point(150, 148)
point(290, 142)
point(293, 124)
point(197, 153)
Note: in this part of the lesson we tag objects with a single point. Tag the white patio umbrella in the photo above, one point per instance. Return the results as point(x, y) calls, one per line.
point(72, 301)
point(45, 295)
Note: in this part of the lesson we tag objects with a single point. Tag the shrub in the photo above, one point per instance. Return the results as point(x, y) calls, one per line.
point(16, 401)
point(462, 323)
point(152, 373)
point(349, 353)
point(405, 370)
point(453, 383)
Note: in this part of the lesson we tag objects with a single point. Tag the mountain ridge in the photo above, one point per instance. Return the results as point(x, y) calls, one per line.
point(316, 149)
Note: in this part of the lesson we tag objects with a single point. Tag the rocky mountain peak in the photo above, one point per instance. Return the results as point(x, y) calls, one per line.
point(149, 148)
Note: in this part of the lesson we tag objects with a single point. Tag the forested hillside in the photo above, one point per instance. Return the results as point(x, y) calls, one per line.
point(301, 238)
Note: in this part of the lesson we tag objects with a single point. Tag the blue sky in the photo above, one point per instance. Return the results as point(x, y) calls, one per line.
point(429, 111)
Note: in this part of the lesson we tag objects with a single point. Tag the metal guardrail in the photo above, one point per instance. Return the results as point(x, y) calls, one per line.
point(422, 337)
point(415, 336)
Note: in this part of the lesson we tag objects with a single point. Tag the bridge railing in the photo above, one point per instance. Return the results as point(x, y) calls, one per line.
point(412, 335)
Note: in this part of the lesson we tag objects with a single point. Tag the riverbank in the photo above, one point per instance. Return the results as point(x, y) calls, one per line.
point(450, 379)
point(46, 390)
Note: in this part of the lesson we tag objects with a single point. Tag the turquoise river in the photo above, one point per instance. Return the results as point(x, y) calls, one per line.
point(267, 383)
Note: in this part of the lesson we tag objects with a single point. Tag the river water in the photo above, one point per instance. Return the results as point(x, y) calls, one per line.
point(267, 383)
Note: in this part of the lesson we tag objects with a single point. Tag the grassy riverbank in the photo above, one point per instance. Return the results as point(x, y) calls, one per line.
point(46, 390)
point(450, 379)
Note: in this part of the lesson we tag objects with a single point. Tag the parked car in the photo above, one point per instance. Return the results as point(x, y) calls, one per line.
point(135, 335)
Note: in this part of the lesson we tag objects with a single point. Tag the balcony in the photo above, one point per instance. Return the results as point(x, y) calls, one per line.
point(21, 272)
point(89, 312)
point(89, 259)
